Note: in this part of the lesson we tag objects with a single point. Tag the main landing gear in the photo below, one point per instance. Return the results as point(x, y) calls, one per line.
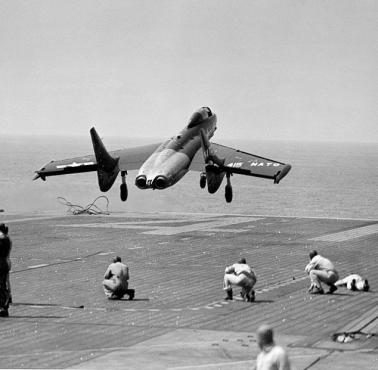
point(203, 180)
point(228, 189)
point(123, 187)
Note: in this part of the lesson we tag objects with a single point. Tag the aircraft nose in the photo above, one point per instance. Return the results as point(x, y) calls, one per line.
point(141, 182)
point(160, 182)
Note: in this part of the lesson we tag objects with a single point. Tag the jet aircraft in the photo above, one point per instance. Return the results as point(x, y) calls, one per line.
point(162, 165)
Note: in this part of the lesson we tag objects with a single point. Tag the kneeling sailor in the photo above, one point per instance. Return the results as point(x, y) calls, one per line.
point(116, 280)
point(242, 275)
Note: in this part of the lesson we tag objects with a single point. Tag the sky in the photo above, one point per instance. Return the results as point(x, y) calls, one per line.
point(270, 69)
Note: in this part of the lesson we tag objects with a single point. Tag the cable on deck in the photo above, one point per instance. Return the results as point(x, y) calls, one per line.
point(90, 209)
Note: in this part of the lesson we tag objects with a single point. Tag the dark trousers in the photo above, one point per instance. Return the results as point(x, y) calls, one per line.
point(4, 288)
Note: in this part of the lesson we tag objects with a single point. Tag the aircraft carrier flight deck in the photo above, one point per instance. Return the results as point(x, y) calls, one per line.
point(60, 317)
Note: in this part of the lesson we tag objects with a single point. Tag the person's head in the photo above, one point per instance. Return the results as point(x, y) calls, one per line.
point(243, 261)
point(264, 336)
point(312, 254)
point(116, 259)
point(3, 229)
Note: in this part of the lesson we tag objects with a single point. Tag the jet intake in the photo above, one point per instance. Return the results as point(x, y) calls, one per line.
point(141, 182)
point(160, 182)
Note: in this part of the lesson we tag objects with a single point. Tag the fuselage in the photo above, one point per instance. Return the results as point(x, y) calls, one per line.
point(171, 160)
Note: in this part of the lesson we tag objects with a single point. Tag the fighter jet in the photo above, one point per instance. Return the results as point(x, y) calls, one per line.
point(163, 165)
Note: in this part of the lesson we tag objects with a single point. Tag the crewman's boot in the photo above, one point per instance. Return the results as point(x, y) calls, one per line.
point(251, 296)
point(332, 289)
point(4, 312)
point(130, 293)
point(317, 290)
point(353, 285)
point(229, 295)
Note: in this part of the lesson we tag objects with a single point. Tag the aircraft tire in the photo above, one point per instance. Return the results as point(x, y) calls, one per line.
point(202, 180)
point(228, 193)
point(124, 192)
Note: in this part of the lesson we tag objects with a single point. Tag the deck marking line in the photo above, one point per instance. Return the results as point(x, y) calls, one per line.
point(280, 285)
point(37, 218)
point(36, 266)
point(201, 226)
point(214, 224)
point(348, 234)
point(227, 230)
point(216, 365)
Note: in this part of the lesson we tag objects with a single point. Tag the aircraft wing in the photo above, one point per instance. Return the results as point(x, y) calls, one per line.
point(129, 159)
point(237, 161)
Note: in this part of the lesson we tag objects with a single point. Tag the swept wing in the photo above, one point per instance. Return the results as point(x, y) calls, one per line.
point(235, 161)
point(240, 162)
point(129, 159)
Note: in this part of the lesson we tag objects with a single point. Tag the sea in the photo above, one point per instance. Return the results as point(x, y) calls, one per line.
point(327, 179)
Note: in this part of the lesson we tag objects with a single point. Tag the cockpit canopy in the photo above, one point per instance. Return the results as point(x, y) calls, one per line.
point(199, 115)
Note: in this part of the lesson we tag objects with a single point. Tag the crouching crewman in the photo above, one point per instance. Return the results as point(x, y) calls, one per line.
point(116, 283)
point(242, 275)
point(321, 269)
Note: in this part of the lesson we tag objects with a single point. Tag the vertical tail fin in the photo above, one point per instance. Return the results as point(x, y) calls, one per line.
point(107, 166)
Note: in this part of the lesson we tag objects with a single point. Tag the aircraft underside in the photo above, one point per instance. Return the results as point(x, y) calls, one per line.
point(163, 165)
point(158, 173)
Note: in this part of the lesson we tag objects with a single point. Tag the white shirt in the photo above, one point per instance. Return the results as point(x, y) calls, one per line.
point(320, 263)
point(360, 282)
point(119, 272)
point(240, 268)
point(272, 358)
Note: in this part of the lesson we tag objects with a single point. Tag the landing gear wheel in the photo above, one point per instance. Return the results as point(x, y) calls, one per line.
point(228, 189)
point(202, 180)
point(123, 187)
point(228, 193)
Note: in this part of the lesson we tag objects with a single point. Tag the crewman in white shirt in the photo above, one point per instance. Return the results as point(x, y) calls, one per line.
point(354, 282)
point(242, 275)
point(271, 356)
point(321, 269)
point(116, 280)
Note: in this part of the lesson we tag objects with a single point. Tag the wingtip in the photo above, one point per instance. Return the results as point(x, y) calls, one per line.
point(39, 175)
point(281, 174)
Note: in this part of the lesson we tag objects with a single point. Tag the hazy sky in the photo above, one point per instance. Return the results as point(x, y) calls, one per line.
point(295, 69)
